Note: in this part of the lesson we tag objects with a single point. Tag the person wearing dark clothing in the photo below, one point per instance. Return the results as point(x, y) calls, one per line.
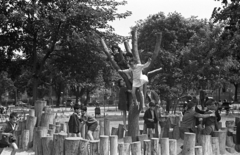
point(90, 121)
point(226, 106)
point(8, 134)
point(74, 123)
point(150, 118)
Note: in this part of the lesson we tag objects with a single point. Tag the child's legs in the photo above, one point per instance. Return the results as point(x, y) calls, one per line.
point(134, 94)
point(90, 135)
point(142, 95)
point(124, 119)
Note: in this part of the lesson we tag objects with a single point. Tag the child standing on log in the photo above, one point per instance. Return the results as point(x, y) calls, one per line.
point(138, 78)
point(150, 118)
point(74, 123)
point(90, 121)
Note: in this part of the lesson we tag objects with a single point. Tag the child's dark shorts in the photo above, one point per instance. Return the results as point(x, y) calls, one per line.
point(92, 126)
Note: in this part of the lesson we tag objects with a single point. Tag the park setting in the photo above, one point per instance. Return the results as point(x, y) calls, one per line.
point(112, 77)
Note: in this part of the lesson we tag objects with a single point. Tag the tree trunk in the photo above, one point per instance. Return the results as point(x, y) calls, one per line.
point(236, 92)
point(133, 121)
point(35, 85)
point(88, 97)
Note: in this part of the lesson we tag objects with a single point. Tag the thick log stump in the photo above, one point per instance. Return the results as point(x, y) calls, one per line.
point(222, 134)
point(127, 139)
point(207, 145)
point(155, 146)
point(71, 145)
point(25, 139)
point(106, 127)
point(113, 144)
point(94, 147)
point(83, 147)
point(39, 105)
point(147, 149)
point(30, 125)
point(47, 145)
point(104, 145)
point(39, 133)
point(46, 119)
point(229, 141)
point(164, 146)
point(101, 124)
point(198, 150)
point(124, 148)
point(215, 146)
point(136, 148)
point(58, 143)
point(172, 147)
point(114, 131)
point(83, 131)
point(141, 138)
point(189, 144)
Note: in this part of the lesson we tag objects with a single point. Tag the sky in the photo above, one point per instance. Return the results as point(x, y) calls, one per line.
point(141, 9)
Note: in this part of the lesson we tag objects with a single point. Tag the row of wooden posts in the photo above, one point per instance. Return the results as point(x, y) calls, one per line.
point(48, 137)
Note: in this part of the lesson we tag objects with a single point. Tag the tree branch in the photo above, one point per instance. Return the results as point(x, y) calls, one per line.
point(156, 51)
point(127, 47)
point(135, 45)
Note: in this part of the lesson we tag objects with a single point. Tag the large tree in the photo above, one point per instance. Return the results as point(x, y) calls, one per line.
point(133, 119)
point(34, 28)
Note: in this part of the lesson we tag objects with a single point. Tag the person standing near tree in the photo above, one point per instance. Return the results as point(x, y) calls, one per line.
point(123, 100)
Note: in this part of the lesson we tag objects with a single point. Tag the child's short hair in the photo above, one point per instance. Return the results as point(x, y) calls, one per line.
point(84, 108)
point(13, 114)
point(76, 107)
point(151, 104)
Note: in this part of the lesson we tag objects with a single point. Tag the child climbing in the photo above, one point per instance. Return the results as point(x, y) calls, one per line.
point(138, 78)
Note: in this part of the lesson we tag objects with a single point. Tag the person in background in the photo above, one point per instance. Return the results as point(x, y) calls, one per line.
point(150, 118)
point(90, 121)
point(8, 132)
point(123, 100)
point(188, 123)
point(74, 123)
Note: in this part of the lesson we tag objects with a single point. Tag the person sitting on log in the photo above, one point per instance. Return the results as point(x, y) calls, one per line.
point(74, 123)
point(90, 121)
point(189, 118)
point(150, 118)
point(8, 136)
point(138, 78)
point(209, 124)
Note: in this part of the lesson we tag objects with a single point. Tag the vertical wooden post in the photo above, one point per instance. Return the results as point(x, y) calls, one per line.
point(164, 146)
point(141, 138)
point(198, 150)
point(189, 143)
point(127, 139)
point(58, 143)
point(124, 149)
point(136, 148)
point(113, 145)
point(94, 147)
point(31, 112)
point(104, 145)
point(114, 131)
point(101, 123)
point(47, 145)
point(155, 146)
point(25, 139)
point(83, 132)
point(83, 147)
point(39, 133)
point(215, 146)
point(206, 145)
point(120, 131)
point(172, 147)
point(71, 145)
point(106, 127)
point(39, 105)
point(30, 124)
point(46, 119)
point(222, 134)
point(147, 147)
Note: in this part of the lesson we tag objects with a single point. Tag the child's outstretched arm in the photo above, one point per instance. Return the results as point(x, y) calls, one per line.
point(155, 70)
point(124, 71)
point(147, 63)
